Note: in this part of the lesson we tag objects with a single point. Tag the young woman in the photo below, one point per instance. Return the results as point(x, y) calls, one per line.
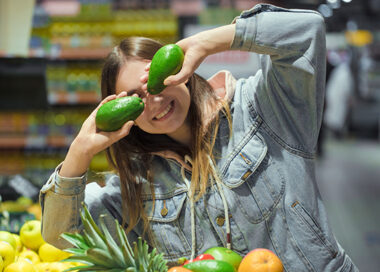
point(220, 163)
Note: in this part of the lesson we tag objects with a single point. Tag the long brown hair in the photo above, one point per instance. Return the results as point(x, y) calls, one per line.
point(131, 156)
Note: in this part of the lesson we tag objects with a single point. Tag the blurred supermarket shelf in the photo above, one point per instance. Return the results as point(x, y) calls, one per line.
point(63, 97)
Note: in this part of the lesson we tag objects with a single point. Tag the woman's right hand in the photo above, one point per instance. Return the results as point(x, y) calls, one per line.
point(91, 141)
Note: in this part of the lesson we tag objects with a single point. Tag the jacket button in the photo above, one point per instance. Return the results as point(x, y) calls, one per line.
point(220, 220)
point(164, 211)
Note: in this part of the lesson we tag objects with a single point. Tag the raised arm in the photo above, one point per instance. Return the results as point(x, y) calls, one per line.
point(288, 90)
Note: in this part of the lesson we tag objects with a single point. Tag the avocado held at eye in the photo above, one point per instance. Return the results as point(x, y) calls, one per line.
point(167, 61)
point(112, 115)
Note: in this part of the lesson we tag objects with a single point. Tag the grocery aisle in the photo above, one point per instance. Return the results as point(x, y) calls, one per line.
point(349, 179)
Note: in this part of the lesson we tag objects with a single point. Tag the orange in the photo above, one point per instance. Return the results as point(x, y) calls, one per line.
point(261, 260)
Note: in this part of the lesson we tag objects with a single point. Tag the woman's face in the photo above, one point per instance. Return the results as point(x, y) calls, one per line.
point(164, 113)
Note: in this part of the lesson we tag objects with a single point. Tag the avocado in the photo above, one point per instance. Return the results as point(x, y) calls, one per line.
point(113, 114)
point(166, 61)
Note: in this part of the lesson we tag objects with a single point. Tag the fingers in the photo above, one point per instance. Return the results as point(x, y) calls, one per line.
point(121, 94)
point(121, 133)
point(147, 67)
point(144, 78)
point(181, 77)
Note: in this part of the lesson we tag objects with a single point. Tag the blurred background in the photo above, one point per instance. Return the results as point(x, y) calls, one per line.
point(51, 54)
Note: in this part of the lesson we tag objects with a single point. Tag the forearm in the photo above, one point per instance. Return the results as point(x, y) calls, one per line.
point(77, 161)
point(218, 39)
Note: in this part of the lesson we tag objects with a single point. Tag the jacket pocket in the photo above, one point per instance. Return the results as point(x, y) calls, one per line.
point(310, 234)
point(255, 179)
point(170, 226)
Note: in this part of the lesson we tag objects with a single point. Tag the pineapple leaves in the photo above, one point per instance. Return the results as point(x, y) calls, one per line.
point(111, 244)
point(75, 239)
point(96, 250)
point(125, 246)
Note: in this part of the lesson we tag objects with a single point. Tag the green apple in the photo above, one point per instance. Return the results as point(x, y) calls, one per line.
point(8, 237)
point(7, 252)
point(20, 266)
point(30, 234)
point(225, 254)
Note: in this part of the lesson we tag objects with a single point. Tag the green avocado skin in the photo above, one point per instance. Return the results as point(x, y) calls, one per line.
point(167, 61)
point(112, 115)
point(210, 266)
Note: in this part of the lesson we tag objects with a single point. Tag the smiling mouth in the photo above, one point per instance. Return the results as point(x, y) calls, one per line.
point(162, 114)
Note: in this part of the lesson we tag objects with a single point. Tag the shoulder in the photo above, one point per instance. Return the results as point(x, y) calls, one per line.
point(223, 83)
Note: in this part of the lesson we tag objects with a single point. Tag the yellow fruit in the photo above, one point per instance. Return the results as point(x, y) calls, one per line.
point(20, 266)
point(30, 234)
point(49, 253)
point(19, 245)
point(7, 252)
point(8, 237)
point(51, 267)
point(1, 263)
point(35, 209)
point(30, 255)
point(41, 267)
point(24, 200)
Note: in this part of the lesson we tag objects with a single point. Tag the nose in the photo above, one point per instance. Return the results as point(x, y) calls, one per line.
point(153, 102)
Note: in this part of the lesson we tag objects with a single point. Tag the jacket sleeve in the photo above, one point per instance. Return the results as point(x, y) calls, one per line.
point(61, 201)
point(289, 86)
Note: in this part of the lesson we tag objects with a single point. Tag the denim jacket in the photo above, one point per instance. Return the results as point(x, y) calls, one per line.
point(266, 166)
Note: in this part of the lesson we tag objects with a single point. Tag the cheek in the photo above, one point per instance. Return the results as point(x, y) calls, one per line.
point(140, 120)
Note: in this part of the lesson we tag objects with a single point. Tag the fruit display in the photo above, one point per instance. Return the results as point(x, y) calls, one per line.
point(28, 252)
point(100, 252)
point(95, 249)
point(113, 114)
point(166, 61)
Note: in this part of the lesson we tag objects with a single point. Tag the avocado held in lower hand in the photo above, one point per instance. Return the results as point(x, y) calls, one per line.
point(114, 114)
point(167, 61)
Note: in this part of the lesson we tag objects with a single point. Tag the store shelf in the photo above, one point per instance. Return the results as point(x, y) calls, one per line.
point(23, 141)
point(66, 98)
point(84, 53)
point(66, 54)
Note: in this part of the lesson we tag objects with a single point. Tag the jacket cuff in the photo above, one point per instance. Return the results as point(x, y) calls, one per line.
point(65, 185)
point(245, 31)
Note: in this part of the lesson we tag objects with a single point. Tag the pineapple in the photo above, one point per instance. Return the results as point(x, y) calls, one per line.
point(98, 251)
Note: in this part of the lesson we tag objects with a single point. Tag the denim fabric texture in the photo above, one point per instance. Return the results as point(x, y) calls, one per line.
point(266, 165)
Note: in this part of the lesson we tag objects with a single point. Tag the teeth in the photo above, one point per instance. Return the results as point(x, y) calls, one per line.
point(162, 114)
